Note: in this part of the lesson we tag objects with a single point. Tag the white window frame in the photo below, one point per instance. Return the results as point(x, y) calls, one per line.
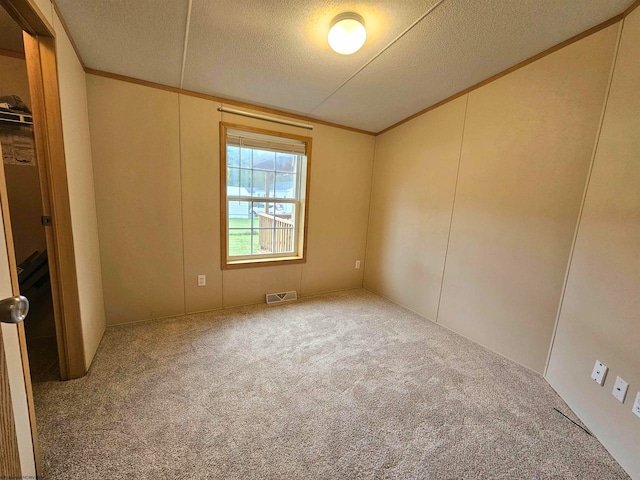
point(301, 204)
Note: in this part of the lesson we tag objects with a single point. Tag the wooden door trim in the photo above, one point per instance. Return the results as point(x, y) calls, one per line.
point(40, 56)
point(43, 85)
point(27, 14)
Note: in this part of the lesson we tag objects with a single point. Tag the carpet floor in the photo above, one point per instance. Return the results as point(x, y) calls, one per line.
point(342, 386)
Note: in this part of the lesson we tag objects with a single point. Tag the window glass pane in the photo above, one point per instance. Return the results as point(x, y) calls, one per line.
point(240, 234)
point(264, 160)
point(245, 157)
point(283, 228)
point(287, 211)
point(265, 238)
point(256, 209)
point(255, 242)
point(285, 185)
point(283, 237)
point(263, 184)
point(237, 210)
point(286, 162)
point(243, 241)
point(233, 180)
point(270, 207)
point(258, 225)
point(260, 210)
point(233, 156)
point(245, 182)
point(258, 181)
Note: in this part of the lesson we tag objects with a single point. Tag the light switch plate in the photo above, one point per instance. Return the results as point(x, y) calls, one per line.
point(599, 372)
point(636, 405)
point(620, 389)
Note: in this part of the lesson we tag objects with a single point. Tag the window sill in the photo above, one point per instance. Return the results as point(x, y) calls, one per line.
point(263, 262)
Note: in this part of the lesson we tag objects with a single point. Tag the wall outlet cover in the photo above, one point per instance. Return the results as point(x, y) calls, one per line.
point(599, 372)
point(202, 280)
point(636, 405)
point(620, 389)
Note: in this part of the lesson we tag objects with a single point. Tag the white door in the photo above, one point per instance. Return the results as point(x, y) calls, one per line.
point(17, 458)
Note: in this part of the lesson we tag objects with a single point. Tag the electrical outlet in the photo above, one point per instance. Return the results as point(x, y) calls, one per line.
point(620, 389)
point(636, 405)
point(599, 372)
point(202, 280)
point(357, 264)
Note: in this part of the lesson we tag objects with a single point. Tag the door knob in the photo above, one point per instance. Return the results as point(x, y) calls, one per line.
point(14, 309)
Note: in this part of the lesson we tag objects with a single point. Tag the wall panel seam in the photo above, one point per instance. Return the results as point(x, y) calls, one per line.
point(186, 43)
point(453, 204)
point(184, 261)
point(366, 239)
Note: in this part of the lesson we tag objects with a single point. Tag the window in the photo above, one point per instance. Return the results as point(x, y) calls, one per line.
point(264, 195)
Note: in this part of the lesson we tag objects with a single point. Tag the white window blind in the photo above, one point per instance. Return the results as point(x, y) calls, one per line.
point(260, 141)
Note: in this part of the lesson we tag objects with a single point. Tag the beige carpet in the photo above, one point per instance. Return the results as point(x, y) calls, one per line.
point(343, 386)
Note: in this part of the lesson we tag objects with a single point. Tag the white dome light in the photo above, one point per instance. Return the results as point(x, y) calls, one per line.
point(347, 33)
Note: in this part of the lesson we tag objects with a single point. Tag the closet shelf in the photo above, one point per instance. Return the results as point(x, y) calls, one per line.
point(16, 118)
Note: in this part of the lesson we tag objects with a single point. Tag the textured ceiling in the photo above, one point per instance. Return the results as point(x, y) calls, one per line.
point(138, 38)
point(275, 53)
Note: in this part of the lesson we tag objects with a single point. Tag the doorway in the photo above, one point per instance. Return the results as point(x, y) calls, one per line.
point(41, 65)
point(24, 196)
point(17, 403)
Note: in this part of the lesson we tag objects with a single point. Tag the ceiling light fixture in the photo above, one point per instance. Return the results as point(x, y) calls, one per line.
point(347, 33)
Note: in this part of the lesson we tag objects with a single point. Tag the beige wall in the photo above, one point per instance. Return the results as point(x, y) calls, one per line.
point(77, 146)
point(199, 146)
point(341, 171)
point(156, 157)
point(46, 8)
point(599, 318)
point(13, 78)
point(413, 186)
point(523, 148)
point(526, 149)
point(136, 158)
point(528, 142)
